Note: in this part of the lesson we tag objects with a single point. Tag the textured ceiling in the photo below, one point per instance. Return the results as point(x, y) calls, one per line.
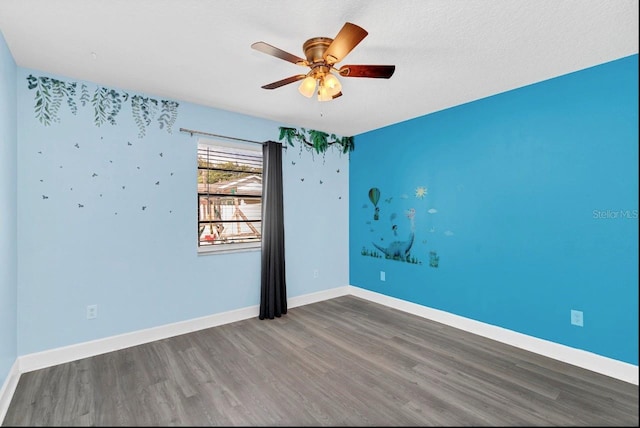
point(446, 52)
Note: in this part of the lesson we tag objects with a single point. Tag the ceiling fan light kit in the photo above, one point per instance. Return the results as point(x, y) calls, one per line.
point(322, 53)
point(308, 86)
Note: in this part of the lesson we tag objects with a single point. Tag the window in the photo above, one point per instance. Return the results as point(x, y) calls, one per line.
point(229, 196)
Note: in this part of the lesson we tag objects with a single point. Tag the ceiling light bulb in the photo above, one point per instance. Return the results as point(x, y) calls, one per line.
point(332, 84)
point(323, 93)
point(308, 86)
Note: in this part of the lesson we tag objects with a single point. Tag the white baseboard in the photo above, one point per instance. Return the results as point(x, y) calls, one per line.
point(7, 390)
point(319, 296)
point(609, 367)
point(577, 357)
point(52, 357)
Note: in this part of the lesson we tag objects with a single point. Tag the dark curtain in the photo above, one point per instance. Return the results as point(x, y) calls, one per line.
point(273, 287)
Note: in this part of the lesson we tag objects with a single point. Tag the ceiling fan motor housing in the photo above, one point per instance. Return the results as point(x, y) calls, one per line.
point(315, 48)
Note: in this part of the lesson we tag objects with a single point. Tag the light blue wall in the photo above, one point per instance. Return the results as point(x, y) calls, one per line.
point(536, 193)
point(140, 266)
point(8, 212)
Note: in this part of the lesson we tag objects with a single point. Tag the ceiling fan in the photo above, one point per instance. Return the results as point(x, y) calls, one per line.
point(322, 54)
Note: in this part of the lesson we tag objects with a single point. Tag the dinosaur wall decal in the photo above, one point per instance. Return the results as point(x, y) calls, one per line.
point(397, 249)
point(400, 249)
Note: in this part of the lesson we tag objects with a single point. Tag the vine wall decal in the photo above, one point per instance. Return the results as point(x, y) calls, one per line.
point(317, 141)
point(107, 103)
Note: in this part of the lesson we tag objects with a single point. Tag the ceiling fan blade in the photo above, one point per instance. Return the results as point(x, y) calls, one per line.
point(347, 39)
point(278, 53)
point(283, 82)
point(374, 71)
point(339, 94)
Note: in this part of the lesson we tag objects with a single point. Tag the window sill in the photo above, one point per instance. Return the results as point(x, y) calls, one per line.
point(238, 248)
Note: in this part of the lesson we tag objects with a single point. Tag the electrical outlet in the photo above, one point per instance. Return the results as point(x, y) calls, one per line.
point(576, 318)
point(315, 273)
point(383, 276)
point(92, 312)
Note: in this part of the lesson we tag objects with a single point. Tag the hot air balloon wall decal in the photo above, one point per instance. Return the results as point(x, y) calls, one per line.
point(394, 248)
point(374, 197)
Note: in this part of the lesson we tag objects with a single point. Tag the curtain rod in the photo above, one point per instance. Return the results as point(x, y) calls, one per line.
point(191, 131)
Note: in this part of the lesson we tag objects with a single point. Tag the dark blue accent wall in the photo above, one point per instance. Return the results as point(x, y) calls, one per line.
point(525, 207)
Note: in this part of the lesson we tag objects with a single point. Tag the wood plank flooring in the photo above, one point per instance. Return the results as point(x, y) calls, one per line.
point(340, 362)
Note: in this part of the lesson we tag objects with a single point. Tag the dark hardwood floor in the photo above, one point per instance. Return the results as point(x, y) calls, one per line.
point(344, 361)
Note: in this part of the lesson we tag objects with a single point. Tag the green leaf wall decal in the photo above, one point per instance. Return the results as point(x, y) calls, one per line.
point(84, 98)
point(107, 104)
point(317, 141)
point(168, 115)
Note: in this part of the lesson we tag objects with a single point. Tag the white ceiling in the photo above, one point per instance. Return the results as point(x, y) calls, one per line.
point(446, 52)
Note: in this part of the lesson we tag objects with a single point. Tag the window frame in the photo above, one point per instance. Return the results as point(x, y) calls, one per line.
point(226, 247)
